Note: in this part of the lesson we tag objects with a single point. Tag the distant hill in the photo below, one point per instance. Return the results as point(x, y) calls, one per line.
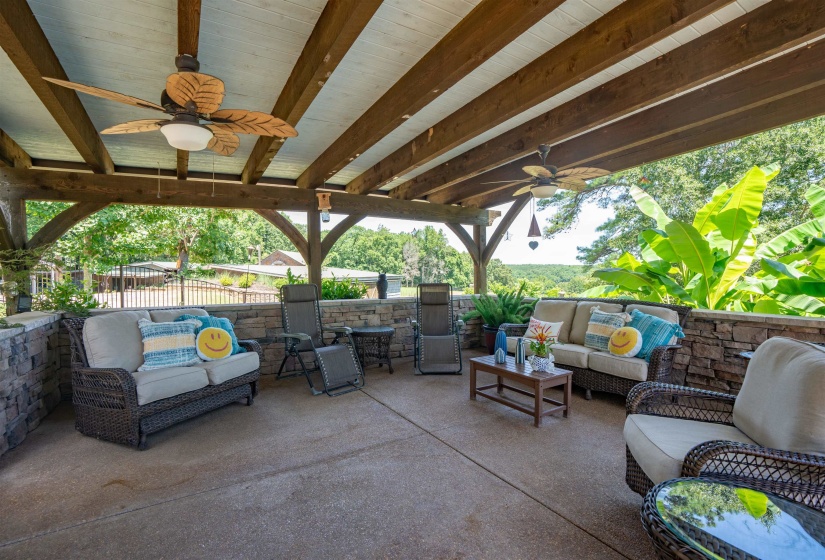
point(547, 273)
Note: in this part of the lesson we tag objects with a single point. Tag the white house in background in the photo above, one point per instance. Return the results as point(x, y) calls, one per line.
point(280, 271)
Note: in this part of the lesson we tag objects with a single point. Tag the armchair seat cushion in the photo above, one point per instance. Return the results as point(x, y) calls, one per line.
point(156, 384)
point(231, 367)
point(659, 444)
point(113, 340)
point(626, 368)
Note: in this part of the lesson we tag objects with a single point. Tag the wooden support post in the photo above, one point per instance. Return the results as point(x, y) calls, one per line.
point(479, 266)
point(316, 256)
point(12, 241)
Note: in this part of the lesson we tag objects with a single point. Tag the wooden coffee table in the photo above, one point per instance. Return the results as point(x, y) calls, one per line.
point(524, 375)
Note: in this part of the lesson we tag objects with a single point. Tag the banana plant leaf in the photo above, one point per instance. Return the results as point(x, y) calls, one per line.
point(660, 245)
point(628, 261)
point(703, 220)
point(740, 213)
point(802, 304)
point(629, 280)
point(803, 286)
point(816, 198)
point(735, 267)
point(649, 207)
point(694, 251)
point(780, 270)
point(789, 239)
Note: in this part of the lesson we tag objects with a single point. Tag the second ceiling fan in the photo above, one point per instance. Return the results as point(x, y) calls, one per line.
point(190, 98)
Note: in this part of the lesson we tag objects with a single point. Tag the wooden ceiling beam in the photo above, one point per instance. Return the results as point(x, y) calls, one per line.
point(28, 48)
point(287, 228)
point(335, 233)
point(189, 29)
point(766, 31)
point(11, 154)
point(488, 28)
point(782, 111)
point(775, 79)
point(619, 34)
point(339, 26)
point(35, 184)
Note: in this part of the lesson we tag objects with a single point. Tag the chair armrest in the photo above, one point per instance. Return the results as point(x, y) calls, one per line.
point(337, 330)
point(514, 329)
point(296, 336)
point(459, 324)
point(104, 388)
point(797, 476)
point(661, 362)
point(675, 401)
point(252, 346)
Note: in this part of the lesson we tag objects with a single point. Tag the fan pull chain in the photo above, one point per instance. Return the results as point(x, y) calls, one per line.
point(213, 175)
point(158, 179)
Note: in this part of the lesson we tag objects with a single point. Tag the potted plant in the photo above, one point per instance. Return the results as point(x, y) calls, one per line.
point(541, 359)
point(505, 307)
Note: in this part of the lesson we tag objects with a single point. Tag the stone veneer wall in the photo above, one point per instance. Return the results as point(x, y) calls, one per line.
point(29, 365)
point(714, 339)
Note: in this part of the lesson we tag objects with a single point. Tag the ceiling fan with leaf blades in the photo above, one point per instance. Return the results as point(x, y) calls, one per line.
point(545, 179)
point(191, 97)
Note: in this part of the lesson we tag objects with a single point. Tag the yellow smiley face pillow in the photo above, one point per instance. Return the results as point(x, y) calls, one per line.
point(213, 344)
point(625, 342)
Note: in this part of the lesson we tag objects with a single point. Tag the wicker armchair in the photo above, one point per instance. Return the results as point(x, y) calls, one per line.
point(106, 402)
point(797, 476)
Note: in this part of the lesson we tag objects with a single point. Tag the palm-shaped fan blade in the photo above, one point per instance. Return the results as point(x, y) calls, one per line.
point(252, 122)
point(145, 125)
point(106, 94)
point(205, 90)
point(516, 182)
point(582, 173)
point(223, 141)
point(537, 171)
point(523, 190)
point(571, 183)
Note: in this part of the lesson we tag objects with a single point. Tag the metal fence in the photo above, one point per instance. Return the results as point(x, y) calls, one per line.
point(139, 286)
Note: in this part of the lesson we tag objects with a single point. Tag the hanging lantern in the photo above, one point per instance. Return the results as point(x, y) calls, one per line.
point(535, 230)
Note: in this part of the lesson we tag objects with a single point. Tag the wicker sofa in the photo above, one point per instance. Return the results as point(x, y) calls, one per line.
point(114, 402)
point(601, 371)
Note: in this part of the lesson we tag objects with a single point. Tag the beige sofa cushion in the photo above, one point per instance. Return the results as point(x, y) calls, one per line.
point(626, 368)
point(231, 367)
point(169, 315)
point(781, 401)
point(113, 340)
point(554, 311)
point(659, 444)
point(571, 354)
point(578, 328)
point(157, 384)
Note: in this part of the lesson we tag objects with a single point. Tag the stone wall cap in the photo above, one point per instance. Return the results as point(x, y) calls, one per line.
point(734, 316)
point(30, 320)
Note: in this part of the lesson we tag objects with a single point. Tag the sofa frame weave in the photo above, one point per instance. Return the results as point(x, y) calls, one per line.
point(661, 359)
point(105, 399)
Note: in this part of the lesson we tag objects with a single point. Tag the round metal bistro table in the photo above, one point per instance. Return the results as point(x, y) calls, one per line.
point(698, 518)
point(373, 345)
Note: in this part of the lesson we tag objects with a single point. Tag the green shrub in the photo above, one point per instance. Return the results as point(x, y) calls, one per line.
point(506, 307)
point(246, 280)
point(66, 296)
point(342, 289)
point(294, 278)
point(226, 280)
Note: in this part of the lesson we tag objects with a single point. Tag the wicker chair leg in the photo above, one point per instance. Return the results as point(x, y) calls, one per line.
point(588, 396)
point(142, 444)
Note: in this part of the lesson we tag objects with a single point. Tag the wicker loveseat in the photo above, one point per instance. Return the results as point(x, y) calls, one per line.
point(601, 371)
point(114, 402)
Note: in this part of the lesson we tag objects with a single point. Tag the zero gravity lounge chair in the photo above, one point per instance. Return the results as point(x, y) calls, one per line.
point(437, 345)
point(304, 336)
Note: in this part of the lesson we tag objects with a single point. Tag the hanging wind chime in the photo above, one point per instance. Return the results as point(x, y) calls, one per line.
point(535, 230)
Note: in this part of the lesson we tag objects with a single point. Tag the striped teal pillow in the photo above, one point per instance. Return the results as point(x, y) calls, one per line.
point(217, 322)
point(601, 326)
point(168, 344)
point(655, 332)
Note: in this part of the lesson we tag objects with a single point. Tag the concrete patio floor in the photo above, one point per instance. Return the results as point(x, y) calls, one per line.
point(409, 467)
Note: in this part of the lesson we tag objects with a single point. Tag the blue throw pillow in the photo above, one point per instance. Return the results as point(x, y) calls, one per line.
point(218, 322)
point(655, 332)
point(168, 344)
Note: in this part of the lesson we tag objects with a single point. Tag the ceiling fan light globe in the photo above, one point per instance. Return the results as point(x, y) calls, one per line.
point(187, 136)
point(544, 191)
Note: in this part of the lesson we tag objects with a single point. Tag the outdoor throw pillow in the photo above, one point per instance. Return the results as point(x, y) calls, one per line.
point(217, 322)
point(550, 330)
point(655, 332)
point(601, 326)
point(213, 344)
point(168, 344)
point(625, 342)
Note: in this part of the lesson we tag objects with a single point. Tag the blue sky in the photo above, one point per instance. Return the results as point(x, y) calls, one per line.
point(560, 250)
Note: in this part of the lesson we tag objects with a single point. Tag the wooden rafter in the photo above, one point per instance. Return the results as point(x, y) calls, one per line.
point(503, 226)
point(63, 222)
point(11, 154)
point(619, 34)
point(489, 27)
point(781, 77)
point(287, 228)
point(189, 28)
point(335, 233)
point(767, 30)
point(26, 45)
point(807, 104)
point(336, 30)
point(36, 184)
point(466, 240)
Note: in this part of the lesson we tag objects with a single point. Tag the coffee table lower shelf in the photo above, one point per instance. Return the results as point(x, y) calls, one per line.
point(524, 375)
